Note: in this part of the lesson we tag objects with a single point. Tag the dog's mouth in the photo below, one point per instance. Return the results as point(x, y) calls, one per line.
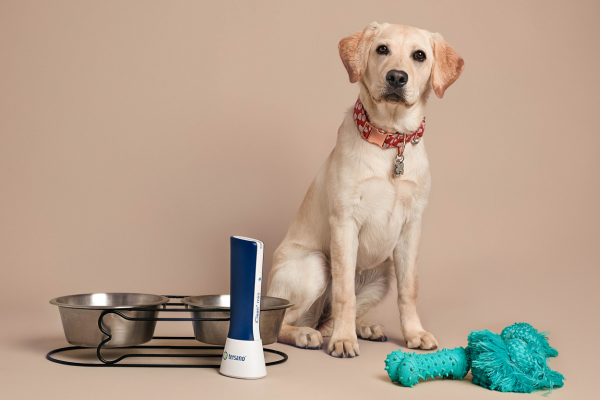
point(392, 95)
point(393, 98)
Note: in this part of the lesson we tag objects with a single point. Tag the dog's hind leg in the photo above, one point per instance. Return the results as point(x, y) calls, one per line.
point(372, 285)
point(300, 276)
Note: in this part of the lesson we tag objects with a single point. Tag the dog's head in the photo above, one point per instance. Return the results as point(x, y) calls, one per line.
point(400, 64)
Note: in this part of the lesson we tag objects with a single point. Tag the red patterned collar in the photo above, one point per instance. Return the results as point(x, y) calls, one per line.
point(385, 139)
point(380, 137)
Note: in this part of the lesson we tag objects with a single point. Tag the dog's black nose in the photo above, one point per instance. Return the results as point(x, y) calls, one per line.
point(396, 78)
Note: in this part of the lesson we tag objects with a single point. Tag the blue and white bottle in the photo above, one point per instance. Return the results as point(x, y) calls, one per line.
point(243, 356)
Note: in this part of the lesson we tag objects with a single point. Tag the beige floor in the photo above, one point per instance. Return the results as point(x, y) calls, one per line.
point(25, 374)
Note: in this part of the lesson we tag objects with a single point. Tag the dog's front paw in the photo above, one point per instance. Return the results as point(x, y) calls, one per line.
point(343, 347)
point(420, 340)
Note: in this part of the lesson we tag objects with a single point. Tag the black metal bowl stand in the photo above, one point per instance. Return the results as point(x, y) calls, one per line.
point(170, 308)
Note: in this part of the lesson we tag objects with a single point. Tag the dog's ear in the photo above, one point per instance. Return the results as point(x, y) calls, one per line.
point(447, 65)
point(354, 51)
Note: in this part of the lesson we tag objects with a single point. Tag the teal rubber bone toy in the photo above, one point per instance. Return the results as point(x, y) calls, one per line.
point(408, 368)
point(514, 361)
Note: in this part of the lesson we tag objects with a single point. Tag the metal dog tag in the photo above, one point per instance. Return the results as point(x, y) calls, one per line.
point(399, 168)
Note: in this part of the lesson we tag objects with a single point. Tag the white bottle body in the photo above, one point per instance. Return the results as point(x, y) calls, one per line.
point(243, 359)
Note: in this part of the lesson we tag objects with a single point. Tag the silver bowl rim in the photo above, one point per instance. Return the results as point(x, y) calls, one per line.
point(55, 302)
point(189, 302)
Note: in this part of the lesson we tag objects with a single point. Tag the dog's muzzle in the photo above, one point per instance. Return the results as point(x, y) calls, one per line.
point(396, 80)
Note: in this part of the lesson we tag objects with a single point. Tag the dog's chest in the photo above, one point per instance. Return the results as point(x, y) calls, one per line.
point(385, 207)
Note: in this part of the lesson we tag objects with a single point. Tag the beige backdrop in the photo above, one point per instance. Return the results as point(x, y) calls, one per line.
point(136, 137)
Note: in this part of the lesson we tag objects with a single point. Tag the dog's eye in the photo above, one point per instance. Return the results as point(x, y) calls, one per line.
point(419, 56)
point(382, 50)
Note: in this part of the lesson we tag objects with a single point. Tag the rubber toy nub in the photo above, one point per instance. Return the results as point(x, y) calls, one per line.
point(408, 368)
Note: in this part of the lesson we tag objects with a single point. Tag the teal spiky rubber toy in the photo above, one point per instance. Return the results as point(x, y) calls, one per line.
point(514, 361)
point(408, 368)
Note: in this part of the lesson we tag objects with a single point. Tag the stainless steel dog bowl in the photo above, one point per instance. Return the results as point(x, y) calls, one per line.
point(272, 311)
point(80, 312)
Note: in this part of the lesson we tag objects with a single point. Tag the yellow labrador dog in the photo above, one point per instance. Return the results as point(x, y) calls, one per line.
point(360, 221)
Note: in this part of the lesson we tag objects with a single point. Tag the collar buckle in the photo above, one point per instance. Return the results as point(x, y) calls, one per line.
point(377, 136)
